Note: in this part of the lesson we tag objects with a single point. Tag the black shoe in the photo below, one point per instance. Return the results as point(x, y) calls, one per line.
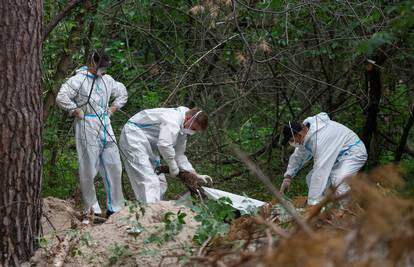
point(109, 213)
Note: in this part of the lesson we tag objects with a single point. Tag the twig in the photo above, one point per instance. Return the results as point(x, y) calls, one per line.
point(271, 11)
point(330, 197)
point(62, 250)
point(286, 25)
point(276, 229)
point(51, 225)
point(262, 177)
point(66, 10)
point(200, 252)
point(319, 81)
point(169, 256)
point(269, 241)
point(194, 63)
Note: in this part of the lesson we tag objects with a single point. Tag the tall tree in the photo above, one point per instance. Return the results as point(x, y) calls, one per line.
point(21, 128)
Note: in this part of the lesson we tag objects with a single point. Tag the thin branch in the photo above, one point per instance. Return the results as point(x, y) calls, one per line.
point(192, 65)
point(65, 11)
point(262, 177)
point(273, 227)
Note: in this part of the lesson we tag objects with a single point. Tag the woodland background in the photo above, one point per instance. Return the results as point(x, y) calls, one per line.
point(252, 65)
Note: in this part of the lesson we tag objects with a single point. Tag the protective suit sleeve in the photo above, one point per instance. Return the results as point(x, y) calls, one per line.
point(67, 93)
point(180, 156)
point(120, 94)
point(322, 167)
point(168, 136)
point(296, 161)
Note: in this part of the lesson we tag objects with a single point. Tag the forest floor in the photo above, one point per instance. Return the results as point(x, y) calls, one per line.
point(120, 240)
point(376, 228)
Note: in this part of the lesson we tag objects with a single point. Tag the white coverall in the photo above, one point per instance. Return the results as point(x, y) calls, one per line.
point(146, 135)
point(95, 140)
point(337, 152)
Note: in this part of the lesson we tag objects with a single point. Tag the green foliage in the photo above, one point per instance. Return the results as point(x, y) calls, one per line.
point(173, 224)
point(84, 239)
point(43, 243)
point(214, 217)
point(408, 171)
point(136, 207)
point(152, 45)
point(376, 41)
point(118, 252)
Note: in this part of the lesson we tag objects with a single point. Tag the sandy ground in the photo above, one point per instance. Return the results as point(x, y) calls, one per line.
point(110, 243)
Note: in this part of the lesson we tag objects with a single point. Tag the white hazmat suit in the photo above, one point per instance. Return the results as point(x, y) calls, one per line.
point(95, 140)
point(144, 137)
point(337, 153)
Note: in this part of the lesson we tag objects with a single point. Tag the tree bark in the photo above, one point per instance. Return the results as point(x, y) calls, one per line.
point(404, 137)
point(21, 128)
point(373, 81)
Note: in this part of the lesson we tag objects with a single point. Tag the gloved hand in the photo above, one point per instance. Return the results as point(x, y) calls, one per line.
point(173, 167)
point(285, 186)
point(204, 178)
point(79, 113)
point(112, 110)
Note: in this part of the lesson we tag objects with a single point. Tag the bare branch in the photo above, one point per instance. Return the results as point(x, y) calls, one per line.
point(65, 11)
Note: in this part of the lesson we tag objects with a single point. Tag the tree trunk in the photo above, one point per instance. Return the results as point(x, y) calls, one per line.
point(404, 137)
point(374, 95)
point(21, 128)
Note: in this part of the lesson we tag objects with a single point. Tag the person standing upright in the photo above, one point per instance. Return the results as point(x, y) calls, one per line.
point(86, 95)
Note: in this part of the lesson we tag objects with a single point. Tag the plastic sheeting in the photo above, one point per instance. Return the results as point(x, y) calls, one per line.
point(242, 203)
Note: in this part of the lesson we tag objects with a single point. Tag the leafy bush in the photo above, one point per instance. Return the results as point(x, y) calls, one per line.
point(173, 224)
point(214, 216)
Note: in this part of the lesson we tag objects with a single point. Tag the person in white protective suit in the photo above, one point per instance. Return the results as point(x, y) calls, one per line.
point(152, 132)
point(86, 95)
point(337, 153)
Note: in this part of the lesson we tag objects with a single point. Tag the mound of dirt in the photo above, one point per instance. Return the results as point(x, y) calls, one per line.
point(57, 217)
point(124, 239)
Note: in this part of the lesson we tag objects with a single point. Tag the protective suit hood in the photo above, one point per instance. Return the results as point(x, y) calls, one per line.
point(182, 110)
point(316, 123)
point(84, 70)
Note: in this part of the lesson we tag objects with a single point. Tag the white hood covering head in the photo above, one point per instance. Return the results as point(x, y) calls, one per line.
point(326, 142)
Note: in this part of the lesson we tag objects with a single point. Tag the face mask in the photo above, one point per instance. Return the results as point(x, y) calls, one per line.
point(295, 145)
point(101, 71)
point(189, 131)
